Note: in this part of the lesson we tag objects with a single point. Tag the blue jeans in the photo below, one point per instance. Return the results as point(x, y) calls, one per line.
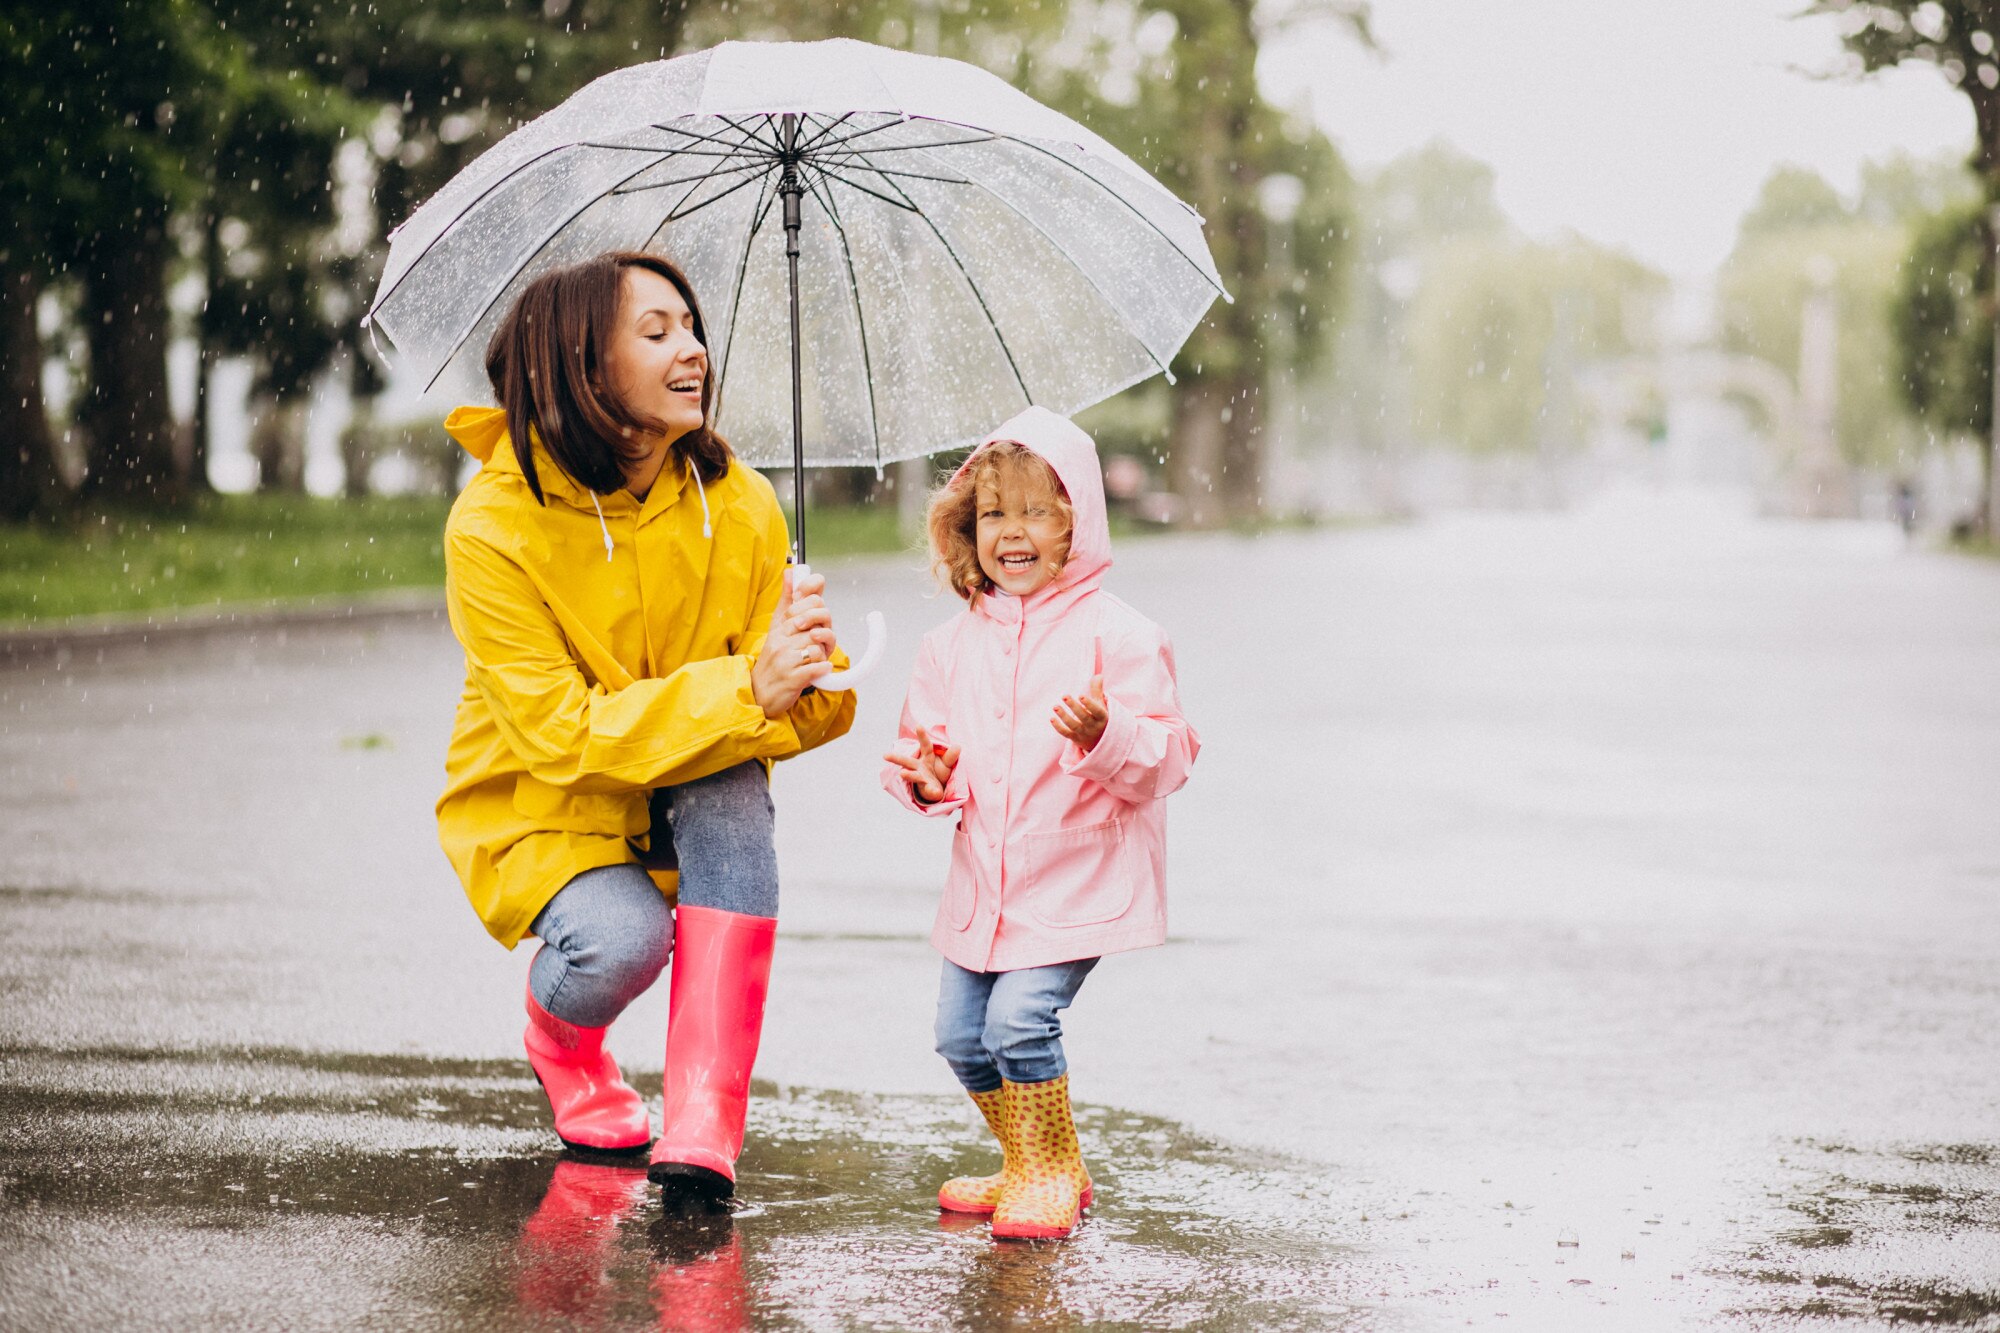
point(995, 1025)
point(607, 933)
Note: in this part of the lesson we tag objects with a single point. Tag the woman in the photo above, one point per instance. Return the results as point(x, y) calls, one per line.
point(635, 661)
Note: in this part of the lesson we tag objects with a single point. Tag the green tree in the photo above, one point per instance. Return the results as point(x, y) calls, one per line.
point(1801, 233)
point(133, 126)
point(1500, 329)
point(1405, 212)
point(1944, 333)
point(1959, 38)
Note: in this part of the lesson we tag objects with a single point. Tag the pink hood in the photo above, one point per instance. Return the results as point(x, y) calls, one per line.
point(1064, 446)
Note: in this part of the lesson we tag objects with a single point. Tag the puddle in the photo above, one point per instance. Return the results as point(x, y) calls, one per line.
point(1891, 1236)
point(234, 1188)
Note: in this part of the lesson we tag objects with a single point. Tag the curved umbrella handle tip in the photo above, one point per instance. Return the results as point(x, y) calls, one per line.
point(878, 639)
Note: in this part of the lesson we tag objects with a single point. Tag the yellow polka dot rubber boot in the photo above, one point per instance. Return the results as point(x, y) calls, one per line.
point(978, 1194)
point(1044, 1188)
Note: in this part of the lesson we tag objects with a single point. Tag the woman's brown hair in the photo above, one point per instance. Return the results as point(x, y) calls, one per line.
point(952, 517)
point(546, 364)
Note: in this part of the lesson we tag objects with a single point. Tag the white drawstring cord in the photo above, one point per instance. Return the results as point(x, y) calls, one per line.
point(702, 491)
point(602, 524)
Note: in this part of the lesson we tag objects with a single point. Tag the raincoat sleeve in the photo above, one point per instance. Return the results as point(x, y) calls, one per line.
point(1147, 747)
point(583, 737)
point(819, 716)
point(924, 706)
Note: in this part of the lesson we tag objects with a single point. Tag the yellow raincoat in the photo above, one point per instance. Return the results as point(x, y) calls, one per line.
point(602, 659)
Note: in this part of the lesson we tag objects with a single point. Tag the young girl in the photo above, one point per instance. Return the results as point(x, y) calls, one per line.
point(1046, 717)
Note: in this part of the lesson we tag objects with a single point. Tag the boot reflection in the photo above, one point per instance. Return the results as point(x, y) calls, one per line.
point(567, 1247)
point(1017, 1284)
point(698, 1281)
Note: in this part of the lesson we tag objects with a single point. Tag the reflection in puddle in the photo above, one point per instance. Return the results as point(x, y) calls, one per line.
point(222, 1187)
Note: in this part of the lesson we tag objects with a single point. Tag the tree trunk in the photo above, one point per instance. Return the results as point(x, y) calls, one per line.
point(277, 442)
point(205, 358)
point(125, 413)
point(30, 482)
point(1200, 444)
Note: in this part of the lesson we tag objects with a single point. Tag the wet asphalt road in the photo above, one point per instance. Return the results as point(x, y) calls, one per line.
point(1628, 878)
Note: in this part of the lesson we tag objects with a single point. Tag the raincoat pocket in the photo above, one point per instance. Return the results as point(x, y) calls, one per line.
point(1080, 876)
point(961, 887)
point(617, 815)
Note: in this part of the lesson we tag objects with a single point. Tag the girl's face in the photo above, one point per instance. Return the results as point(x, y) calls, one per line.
point(1021, 536)
point(654, 364)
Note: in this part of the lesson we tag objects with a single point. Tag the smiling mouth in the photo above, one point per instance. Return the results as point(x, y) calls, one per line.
point(1017, 564)
point(685, 386)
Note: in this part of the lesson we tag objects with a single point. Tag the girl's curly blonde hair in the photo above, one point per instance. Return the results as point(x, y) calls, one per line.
point(952, 517)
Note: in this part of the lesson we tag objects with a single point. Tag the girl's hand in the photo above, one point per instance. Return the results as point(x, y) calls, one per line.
point(797, 647)
point(1082, 719)
point(928, 771)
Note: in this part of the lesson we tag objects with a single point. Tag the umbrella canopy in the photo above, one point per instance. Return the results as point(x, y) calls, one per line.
point(961, 250)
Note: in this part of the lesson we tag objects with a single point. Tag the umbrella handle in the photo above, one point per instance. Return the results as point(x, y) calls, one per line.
point(878, 639)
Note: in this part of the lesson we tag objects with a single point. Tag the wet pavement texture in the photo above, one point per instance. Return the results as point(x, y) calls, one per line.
point(1579, 921)
point(257, 1187)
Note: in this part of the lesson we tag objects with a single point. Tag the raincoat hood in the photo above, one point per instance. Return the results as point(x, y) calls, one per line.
point(1064, 446)
point(482, 432)
point(478, 430)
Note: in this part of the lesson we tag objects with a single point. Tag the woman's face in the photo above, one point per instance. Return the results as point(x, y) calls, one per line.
point(1021, 536)
point(654, 364)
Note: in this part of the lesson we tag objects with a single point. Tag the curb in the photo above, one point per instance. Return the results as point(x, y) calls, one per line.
point(96, 633)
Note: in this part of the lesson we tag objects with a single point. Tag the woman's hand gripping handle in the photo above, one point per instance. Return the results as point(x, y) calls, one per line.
point(795, 651)
point(878, 638)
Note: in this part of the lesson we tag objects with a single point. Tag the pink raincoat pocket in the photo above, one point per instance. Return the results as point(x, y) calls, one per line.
point(1080, 876)
point(961, 889)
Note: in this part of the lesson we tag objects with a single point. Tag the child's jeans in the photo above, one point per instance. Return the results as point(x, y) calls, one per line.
point(995, 1025)
point(607, 933)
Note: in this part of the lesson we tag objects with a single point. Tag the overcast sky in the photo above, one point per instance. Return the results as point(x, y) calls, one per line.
point(1648, 124)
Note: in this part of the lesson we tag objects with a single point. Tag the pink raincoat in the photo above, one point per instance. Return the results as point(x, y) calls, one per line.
point(1059, 854)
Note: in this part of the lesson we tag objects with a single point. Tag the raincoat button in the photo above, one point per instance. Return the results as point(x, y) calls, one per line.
point(998, 711)
point(996, 777)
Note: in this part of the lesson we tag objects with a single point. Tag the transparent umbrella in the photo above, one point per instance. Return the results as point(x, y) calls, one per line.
point(892, 251)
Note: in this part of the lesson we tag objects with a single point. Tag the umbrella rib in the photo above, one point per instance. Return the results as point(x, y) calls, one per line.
point(985, 137)
point(452, 226)
point(977, 295)
point(676, 215)
point(825, 197)
point(902, 203)
point(644, 148)
point(1117, 307)
point(1171, 242)
point(474, 322)
point(841, 146)
point(757, 216)
point(750, 135)
point(683, 180)
point(856, 159)
point(745, 138)
point(831, 126)
point(889, 124)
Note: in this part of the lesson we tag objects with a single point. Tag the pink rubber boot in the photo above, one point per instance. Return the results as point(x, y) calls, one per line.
point(594, 1107)
point(715, 1016)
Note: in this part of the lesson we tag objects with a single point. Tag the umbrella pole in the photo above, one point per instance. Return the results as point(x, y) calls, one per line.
point(793, 191)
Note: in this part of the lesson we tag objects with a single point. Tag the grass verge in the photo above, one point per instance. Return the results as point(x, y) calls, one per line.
point(235, 550)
